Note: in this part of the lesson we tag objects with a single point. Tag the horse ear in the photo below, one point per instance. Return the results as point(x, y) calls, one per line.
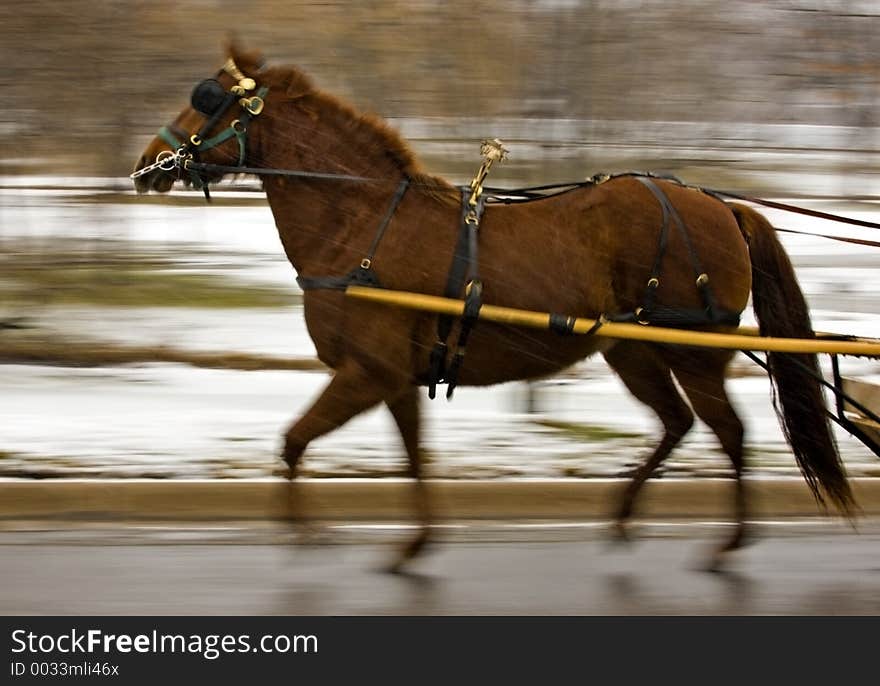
point(298, 85)
point(249, 61)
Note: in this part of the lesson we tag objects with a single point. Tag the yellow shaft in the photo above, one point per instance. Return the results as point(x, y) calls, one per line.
point(654, 334)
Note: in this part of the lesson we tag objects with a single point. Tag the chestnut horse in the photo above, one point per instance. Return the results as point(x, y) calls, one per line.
point(584, 252)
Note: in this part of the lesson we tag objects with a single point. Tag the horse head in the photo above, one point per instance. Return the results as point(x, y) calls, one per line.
point(212, 129)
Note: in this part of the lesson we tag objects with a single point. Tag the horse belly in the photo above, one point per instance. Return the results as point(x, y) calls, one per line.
point(496, 353)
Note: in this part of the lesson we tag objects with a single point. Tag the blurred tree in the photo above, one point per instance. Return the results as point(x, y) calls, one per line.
point(86, 83)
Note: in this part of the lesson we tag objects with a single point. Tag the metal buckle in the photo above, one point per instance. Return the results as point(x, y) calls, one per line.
point(253, 104)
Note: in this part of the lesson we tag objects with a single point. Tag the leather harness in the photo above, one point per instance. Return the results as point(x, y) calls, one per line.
point(464, 274)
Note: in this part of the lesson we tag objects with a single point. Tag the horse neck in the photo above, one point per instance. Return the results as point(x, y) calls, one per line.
point(325, 223)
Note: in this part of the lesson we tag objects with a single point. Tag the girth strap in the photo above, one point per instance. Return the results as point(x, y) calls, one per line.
point(463, 272)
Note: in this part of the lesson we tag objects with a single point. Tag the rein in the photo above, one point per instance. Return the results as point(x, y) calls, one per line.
point(794, 208)
point(188, 164)
point(507, 196)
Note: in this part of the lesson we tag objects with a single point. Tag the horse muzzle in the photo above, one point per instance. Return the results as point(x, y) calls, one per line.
point(157, 173)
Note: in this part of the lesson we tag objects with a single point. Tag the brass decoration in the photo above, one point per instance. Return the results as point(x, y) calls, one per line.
point(253, 104)
point(492, 151)
point(232, 69)
point(245, 83)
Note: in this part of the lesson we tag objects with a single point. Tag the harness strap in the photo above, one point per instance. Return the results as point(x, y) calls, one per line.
point(472, 304)
point(169, 134)
point(676, 317)
point(648, 313)
point(196, 141)
point(454, 282)
point(793, 208)
point(295, 173)
point(386, 220)
point(238, 128)
point(473, 291)
point(357, 277)
point(656, 269)
point(363, 275)
point(563, 324)
point(193, 144)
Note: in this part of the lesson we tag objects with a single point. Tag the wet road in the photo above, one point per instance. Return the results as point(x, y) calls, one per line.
point(522, 570)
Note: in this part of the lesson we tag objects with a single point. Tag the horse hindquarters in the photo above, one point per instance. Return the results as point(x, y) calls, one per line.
point(781, 310)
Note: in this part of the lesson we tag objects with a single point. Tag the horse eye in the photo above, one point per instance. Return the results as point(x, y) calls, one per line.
point(207, 96)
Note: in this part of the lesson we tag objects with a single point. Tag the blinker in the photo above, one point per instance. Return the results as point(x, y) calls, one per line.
point(208, 96)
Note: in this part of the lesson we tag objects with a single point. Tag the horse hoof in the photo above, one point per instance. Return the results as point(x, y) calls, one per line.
point(619, 535)
point(718, 563)
point(397, 566)
point(291, 455)
point(740, 539)
point(408, 553)
point(286, 473)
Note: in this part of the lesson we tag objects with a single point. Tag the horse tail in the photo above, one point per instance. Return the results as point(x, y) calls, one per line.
point(781, 310)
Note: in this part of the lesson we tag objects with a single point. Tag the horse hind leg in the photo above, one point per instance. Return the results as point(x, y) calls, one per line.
point(701, 375)
point(648, 378)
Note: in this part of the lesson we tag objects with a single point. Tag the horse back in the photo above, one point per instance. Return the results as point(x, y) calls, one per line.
point(593, 250)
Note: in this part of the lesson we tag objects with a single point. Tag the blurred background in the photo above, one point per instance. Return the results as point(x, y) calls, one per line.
point(147, 336)
point(625, 82)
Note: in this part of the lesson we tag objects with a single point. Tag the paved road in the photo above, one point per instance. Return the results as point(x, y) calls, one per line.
point(792, 569)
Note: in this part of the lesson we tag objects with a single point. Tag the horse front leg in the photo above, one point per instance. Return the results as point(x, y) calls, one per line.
point(405, 410)
point(352, 390)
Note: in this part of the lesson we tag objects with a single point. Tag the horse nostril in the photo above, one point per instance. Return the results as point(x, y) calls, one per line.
point(141, 183)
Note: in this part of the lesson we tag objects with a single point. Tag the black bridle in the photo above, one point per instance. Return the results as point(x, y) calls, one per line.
point(210, 99)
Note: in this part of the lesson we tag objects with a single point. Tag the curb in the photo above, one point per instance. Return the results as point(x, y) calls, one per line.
point(392, 499)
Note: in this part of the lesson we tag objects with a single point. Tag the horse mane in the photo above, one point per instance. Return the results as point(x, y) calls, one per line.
point(299, 87)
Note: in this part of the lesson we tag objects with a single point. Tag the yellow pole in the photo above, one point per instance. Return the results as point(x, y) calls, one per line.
point(637, 332)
